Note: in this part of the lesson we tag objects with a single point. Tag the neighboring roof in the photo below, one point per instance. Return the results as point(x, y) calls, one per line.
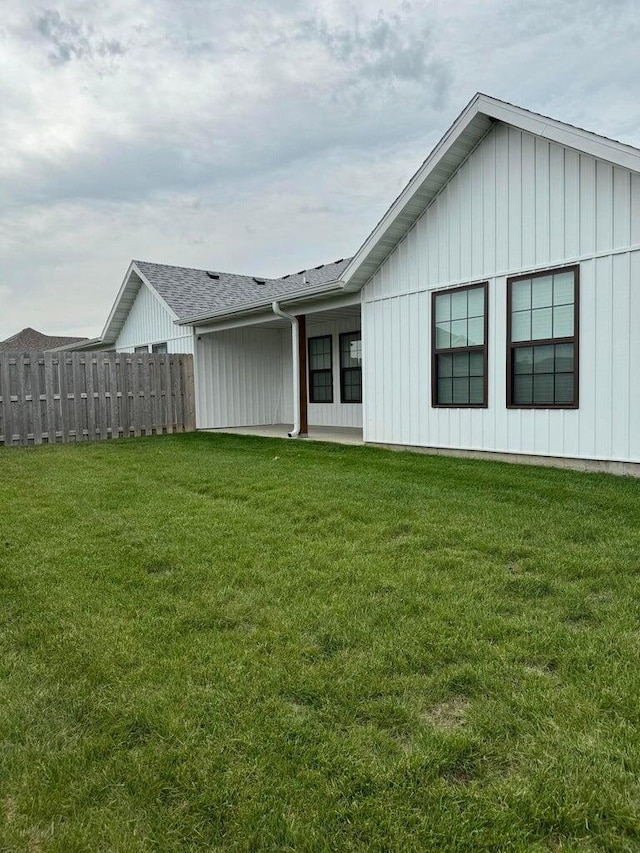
point(473, 123)
point(30, 340)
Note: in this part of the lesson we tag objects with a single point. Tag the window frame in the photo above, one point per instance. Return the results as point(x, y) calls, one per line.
point(435, 351)
point(343, 369)
point(156, 351)
point(141, 348)
point(328, 370)
point(572, 339)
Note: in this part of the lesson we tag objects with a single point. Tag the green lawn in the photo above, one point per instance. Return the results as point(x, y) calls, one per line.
point(227, 643)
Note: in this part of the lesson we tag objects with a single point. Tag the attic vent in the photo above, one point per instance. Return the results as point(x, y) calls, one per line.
point(300, 273)
point(319, 267)
point(339, 261)
point(287, 275)
point(213, 275)
point(259, 280)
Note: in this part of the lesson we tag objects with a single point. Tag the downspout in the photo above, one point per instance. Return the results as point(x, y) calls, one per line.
point(295, 337)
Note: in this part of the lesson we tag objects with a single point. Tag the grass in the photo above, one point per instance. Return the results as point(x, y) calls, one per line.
point(226, 643)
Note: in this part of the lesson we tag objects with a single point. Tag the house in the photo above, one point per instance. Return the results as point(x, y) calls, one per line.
point(495, 308)
point(30, 340)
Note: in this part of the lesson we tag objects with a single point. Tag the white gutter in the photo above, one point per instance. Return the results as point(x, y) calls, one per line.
point(295, 343)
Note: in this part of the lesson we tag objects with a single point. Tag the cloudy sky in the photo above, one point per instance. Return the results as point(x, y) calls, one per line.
point(256, 136)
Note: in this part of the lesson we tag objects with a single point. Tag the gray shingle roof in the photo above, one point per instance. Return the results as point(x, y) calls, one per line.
point(189, 292)
point(30, 340)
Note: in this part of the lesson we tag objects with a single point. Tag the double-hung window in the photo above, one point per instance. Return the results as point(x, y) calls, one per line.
point(459, 347)
point(320, 370)
point(542, 340)
point(351, 367)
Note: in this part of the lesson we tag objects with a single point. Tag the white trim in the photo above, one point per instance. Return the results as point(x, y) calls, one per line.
point(119, 296)
point(107, 332)
point(577, 259)
point(228, 321)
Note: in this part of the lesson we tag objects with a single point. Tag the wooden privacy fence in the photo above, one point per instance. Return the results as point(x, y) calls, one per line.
point(87, 396)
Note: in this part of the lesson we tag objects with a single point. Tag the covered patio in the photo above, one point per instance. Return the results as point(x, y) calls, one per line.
point(287, 369)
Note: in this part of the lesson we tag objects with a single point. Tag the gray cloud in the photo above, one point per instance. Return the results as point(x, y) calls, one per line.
point(384, 49)
point(71, 40)
point(256, 137)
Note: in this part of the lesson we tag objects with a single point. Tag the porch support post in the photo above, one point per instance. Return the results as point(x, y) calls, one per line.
point(302, 361)
point(295, 357)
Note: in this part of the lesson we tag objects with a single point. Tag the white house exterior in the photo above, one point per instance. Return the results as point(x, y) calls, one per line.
point(494, 309)
point(518, 204)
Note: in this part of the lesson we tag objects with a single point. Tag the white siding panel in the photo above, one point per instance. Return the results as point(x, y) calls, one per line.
point(502, 197)
point(571, 204)
point(556, 202)
point(528, 181)
point(518, 203)
point(621, 380)
point(240, 378)
point(515, 198)
point(634, 355)
point(621, 208)
point(587, 205)
point(149, 322)
point(635, 210)
point(542, 201)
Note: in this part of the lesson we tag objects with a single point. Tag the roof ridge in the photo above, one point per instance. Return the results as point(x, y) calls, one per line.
point(204, 270)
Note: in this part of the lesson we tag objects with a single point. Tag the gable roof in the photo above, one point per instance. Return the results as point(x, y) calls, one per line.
point(473, 123)
point(30, 340)
point(187, 293)
point(191, 295)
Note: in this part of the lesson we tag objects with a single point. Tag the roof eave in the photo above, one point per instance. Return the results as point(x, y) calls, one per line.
point(327, 289)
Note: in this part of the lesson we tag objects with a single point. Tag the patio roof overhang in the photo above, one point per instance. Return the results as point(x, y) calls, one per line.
point(327, 298)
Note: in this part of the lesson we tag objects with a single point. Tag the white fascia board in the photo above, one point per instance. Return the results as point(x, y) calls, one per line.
point(250, 308)
point(116, 303)
point(584, 141)
point(256, 319)
point(261, 317)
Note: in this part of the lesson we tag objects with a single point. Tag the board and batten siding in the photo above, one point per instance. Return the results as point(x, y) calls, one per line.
point(148, 322)
point(518, 203)
point(239, 378)
point(244, 377)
